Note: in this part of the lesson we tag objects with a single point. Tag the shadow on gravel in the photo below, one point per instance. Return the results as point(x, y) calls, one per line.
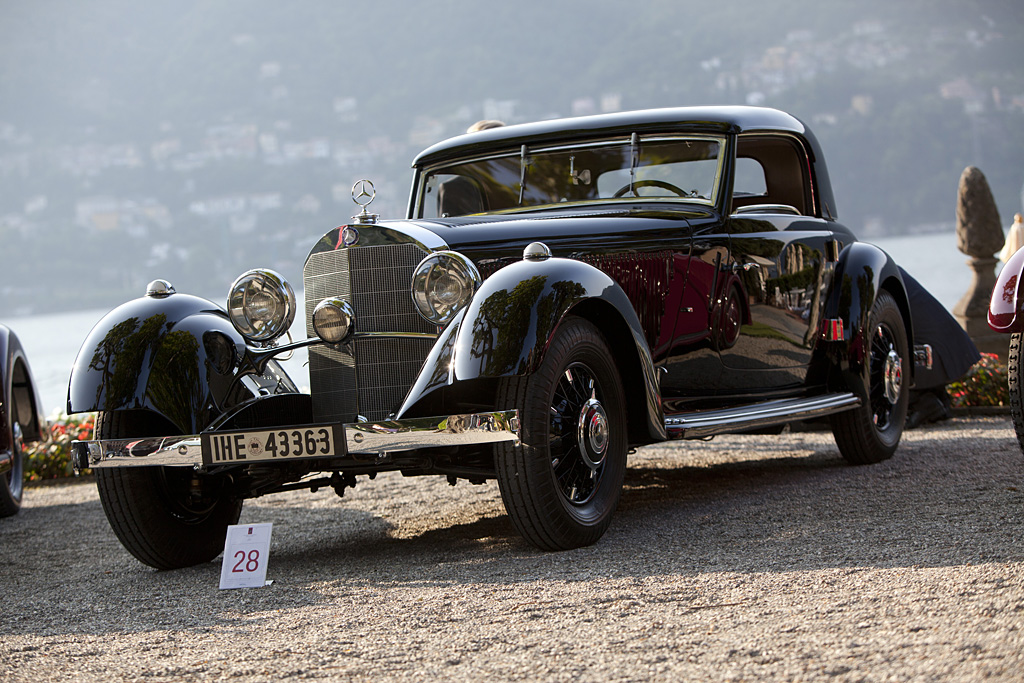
point(932, 505)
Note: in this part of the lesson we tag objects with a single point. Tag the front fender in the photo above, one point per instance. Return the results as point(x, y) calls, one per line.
point(862, 271)
point(1005, 306)
point(506, 329)
point(511, 319)
point(177, 356)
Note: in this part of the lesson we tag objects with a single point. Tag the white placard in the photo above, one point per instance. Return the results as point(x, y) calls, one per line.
point(246, 553)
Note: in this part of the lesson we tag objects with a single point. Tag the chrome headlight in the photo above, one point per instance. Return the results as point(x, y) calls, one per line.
point(261, 305)
point(333, 320)
point(442, 284)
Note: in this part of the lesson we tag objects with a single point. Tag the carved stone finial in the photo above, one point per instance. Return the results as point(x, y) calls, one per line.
point(979, 232)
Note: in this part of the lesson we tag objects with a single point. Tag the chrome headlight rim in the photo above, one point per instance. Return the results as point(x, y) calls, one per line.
point(261, 305)
point(443, 283)
point(333, 320)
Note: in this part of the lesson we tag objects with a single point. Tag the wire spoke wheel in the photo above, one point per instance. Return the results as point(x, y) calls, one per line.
point(561, 486)
point(579, 434)
point(1015, 380)
point(886, 376)
point(871, 432)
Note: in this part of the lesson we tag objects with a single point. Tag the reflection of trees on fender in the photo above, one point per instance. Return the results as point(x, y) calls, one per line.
point(866, 285)
point(501, 332)
point(119, 358)
point(174, 383)
point(866, 291)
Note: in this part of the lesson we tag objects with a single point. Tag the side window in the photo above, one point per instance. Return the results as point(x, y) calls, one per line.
point(771, 170)
point(750, 180)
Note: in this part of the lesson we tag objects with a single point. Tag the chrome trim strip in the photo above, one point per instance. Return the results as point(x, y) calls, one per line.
point(766, 208)
point(312, 341)
point(391, 335)
point(364, 440)
point(707, 423)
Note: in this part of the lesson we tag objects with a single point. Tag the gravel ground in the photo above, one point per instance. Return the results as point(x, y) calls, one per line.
point(744, 558)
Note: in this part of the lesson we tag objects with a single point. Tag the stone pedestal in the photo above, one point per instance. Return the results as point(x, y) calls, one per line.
point(979, 234)
point(972, 310)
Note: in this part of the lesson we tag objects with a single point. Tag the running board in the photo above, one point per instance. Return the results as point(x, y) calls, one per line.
point(703, 423)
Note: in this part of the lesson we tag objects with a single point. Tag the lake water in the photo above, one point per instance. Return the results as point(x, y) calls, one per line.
point(52, 340)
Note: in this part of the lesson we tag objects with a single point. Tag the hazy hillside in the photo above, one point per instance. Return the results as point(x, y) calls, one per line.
point(192, 140)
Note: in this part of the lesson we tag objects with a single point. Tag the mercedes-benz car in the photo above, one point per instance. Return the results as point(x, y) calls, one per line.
point(558, 294)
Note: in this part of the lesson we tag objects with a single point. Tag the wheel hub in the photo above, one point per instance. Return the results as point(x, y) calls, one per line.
point(893, 374)
point(593, 433)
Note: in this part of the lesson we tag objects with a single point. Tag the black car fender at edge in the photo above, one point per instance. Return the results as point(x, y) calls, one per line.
point(177, 356)
point(862, 272)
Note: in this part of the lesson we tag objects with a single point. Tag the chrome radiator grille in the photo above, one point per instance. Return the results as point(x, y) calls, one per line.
point(372, 375)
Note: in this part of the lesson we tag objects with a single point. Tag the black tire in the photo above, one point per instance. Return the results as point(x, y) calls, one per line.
point(559, 489)
point(12, 482)
point(871, 432)
point(1015, 380)
point(167, 517)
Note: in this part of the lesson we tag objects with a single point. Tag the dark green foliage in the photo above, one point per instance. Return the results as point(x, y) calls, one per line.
point(52, 459)
point(985, 384)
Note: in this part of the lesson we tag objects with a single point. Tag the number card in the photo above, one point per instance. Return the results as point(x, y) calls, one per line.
point(246, 552)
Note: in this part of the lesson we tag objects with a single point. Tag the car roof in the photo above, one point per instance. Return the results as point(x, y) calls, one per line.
point(711, 120)
point(706, 119)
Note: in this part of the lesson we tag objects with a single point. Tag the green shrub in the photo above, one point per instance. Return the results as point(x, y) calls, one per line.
point(985, 384)
point(52, 459)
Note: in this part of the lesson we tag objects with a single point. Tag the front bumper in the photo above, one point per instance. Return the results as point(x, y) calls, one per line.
point(364, 441)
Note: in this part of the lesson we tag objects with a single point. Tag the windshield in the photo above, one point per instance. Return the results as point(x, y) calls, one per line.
point(668, 168)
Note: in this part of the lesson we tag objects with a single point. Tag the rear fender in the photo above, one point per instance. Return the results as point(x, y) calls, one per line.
point(1005, 307)
point(177, 356)
point(862, 272)
point(506, 330)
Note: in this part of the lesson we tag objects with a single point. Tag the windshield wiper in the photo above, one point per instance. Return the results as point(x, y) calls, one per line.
point(523, 163)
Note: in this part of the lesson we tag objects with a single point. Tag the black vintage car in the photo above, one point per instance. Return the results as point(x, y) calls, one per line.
point(559, 294)
point(21, 419)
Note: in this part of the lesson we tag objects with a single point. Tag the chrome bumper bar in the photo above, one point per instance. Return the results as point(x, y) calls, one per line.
point(364, 441)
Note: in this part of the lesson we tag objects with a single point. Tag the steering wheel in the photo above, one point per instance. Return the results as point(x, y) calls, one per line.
point(651, 183)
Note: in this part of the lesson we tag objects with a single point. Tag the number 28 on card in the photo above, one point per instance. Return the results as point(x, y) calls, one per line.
point(246, 552)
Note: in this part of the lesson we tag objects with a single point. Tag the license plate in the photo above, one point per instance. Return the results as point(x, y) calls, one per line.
point(288, 443)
